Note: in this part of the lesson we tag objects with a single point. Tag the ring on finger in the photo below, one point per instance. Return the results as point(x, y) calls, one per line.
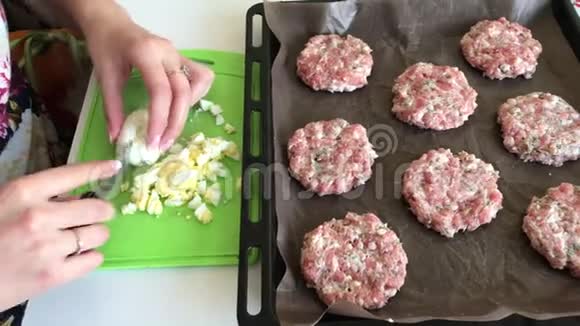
point(182, 70)
point(79, 242)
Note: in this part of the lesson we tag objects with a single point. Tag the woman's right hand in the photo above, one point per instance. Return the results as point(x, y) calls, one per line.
point(37, 233)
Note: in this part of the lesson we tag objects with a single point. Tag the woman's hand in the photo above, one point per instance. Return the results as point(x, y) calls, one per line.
point(118, 45)
point(38, 235)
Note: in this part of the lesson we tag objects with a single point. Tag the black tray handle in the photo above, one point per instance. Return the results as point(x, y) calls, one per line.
point(258, 234)
point(569, 23)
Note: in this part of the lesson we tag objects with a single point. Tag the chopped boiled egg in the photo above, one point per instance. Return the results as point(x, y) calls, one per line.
point(173, 202)
point(187, 175)
point(205, 105)
point(124, 186)
point(129, 209)
point(176, 148)
point(202, 159)
point(219, 120)
point(203, 214)
point(197, 138)
point(215, 109)
point(140, 197)
point(213, 194)
point(232, 151)
point(154, 205)
point(217, 168)
point(131, 144)
point(217, 112)
point(195, 202)
point(229, 129)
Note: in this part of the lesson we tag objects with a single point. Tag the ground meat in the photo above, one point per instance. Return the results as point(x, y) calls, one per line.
point(335, 63)
point(356, 259)
point(541, 127)
point(553, 227)
point(433, 97)
point(451, 193)
point(331, 157)
point(501, 49)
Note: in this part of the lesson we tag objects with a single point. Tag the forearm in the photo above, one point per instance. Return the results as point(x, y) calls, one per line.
point(89, 15)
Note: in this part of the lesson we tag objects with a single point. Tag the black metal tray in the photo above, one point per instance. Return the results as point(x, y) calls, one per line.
point(569, 22)
point(261, 233)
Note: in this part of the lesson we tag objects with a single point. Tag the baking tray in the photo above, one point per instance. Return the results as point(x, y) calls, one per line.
point(258, 233)
point(262, 234)
point(143, 241)
point(568, 14)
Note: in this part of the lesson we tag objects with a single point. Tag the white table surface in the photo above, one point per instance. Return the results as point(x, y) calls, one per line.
point(180, 296)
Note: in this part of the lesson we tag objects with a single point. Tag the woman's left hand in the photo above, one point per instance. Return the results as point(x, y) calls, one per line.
point(173, 82)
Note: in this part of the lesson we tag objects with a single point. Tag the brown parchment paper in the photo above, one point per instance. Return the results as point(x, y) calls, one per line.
point(483, 275)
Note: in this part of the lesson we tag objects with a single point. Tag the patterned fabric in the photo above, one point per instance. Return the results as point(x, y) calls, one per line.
point(31, 143)
point(5, 74)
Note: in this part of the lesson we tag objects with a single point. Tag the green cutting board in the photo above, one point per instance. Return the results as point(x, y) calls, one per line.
point(141, 240)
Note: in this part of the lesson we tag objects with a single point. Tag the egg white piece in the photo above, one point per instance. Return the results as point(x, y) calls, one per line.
point(132, 142)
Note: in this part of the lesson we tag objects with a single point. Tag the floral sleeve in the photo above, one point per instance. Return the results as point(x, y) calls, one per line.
point(5, 76)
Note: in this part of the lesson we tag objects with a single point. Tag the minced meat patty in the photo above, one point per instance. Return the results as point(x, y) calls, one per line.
point(501, 49)
point(335, 63)
point(433, 97)
point(553, 226)
point(541, 127)
point(451, 193)
point(356, 259)
point(331, 157)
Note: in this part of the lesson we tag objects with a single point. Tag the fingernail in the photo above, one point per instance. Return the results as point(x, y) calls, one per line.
point(154, 143)
point(114, 169)
point(112, 215)
point(117, 165)
point(166, 144)
point(111, 137)
point(206, 90)
point(100, 258)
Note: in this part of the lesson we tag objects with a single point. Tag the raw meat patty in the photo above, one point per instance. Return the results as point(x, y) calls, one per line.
point(553, 227)
point(451, 193)
point(356, 259)
point(541, 127)
point(433, 97)
point(501, 49)
point(331, 157)
point(335, 63)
